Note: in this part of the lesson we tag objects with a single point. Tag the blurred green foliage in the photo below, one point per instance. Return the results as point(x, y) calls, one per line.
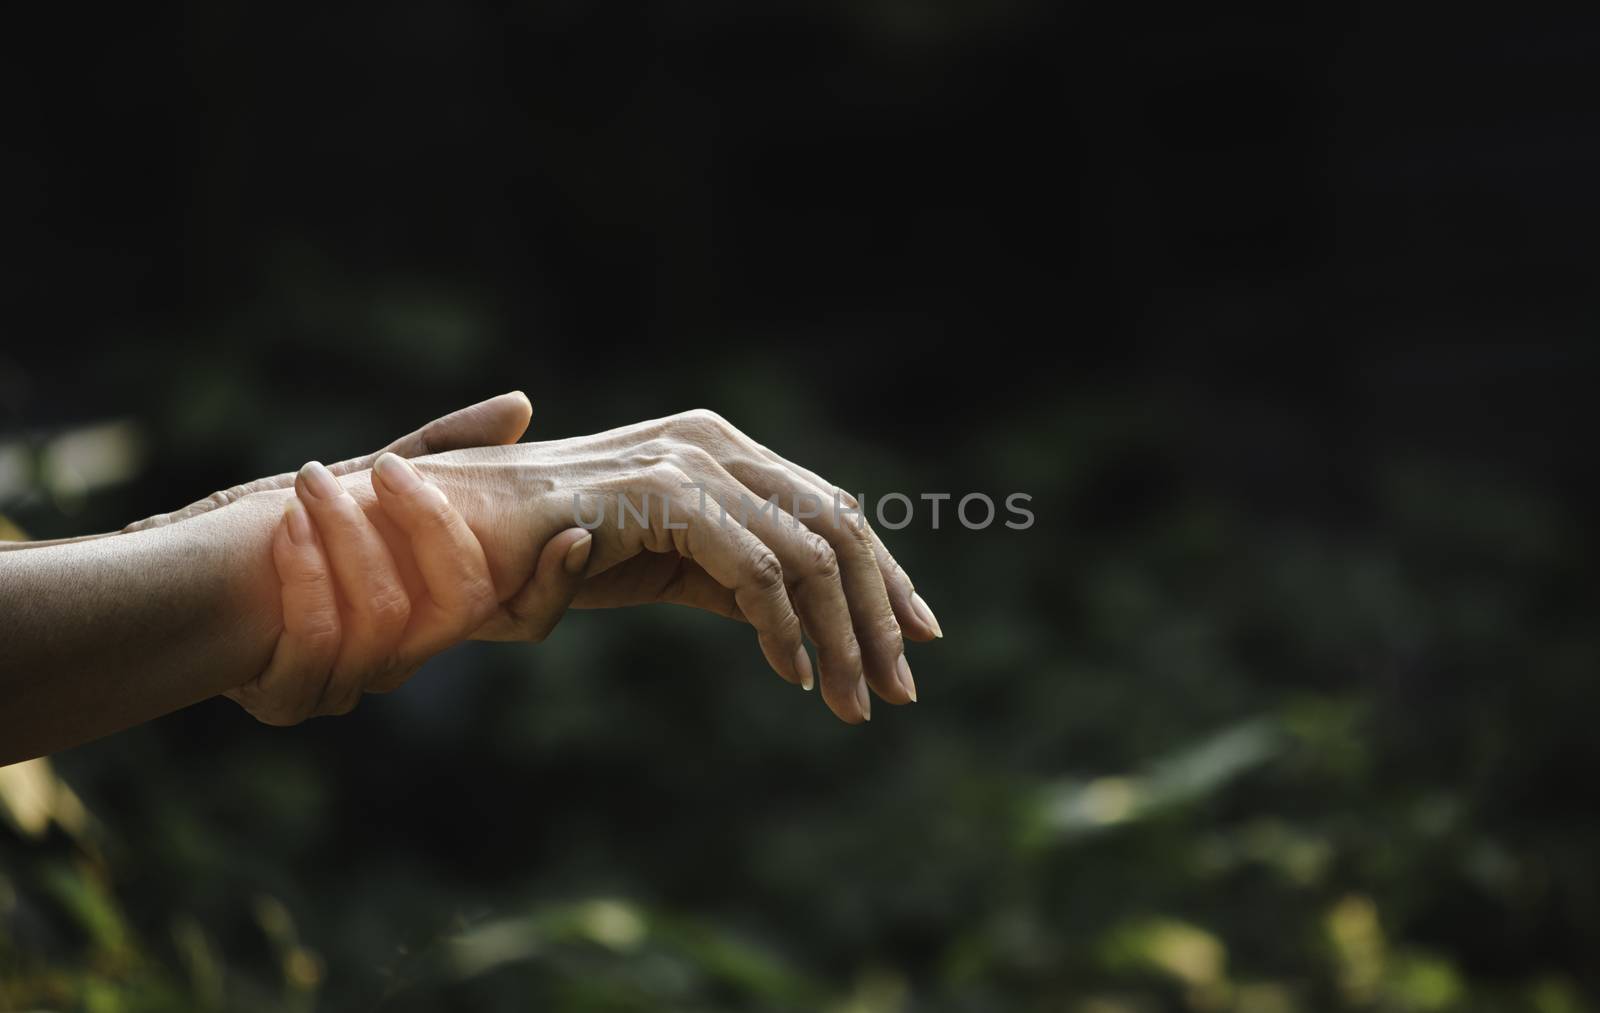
point(1286, 703)
point(1181, 754)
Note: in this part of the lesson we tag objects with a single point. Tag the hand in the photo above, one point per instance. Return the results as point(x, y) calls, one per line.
point(314, 664)
point(188, 606)
point(326, 658)
point(831, 577)
point(499, 420)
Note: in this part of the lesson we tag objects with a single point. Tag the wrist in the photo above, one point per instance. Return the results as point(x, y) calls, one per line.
point(506, 503)
point(241, 534)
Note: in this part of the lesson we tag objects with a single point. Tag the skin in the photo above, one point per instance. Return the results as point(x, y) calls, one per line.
point(836, 582)
point(327, 657)
point(227, 599)
point(499, 420)
point(70, 708)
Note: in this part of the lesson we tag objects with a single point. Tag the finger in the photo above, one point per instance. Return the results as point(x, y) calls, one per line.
point(715, 488)
point(813, 577)
point(499, 420)
point(871, 613)
point(540, 603)
point(658, 577)
point(496, 422)
point(289, 689)
point(461, 595)
point(743, 563)
point(915, 617)
point(376, 605)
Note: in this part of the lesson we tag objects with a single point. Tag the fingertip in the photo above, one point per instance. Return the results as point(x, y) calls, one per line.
point(564, 556)
point(295, 549)
point(925, 615)
point(396, 474)
point(577, 556)
point(297, 523)
point(317, 481)
point(841, 700)
point(513, 413)
point(907, 683)
point(802, 667)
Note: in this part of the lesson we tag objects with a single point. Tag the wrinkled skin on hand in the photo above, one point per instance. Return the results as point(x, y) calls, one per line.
point(794, 569)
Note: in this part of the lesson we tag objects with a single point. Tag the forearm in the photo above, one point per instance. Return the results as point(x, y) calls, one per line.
point(101, 634)
point(52, 542)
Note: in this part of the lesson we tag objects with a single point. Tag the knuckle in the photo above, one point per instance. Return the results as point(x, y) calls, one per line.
point(887, 627)
point(389, 609)
point(320, 633)
point(820, 557)
point(827, 563)
point(860, 537)
point(700, 425)
point(651, 452)
point(478, 602)
point(665, 477)
point(857, 519)
point(309, 576)
point(765, 570)
point(696, 459)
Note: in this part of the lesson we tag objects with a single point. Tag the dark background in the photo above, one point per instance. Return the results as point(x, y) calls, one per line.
point(1287, 701)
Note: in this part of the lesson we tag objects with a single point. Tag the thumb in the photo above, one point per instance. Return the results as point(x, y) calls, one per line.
point(498, 421)
point(547, 595)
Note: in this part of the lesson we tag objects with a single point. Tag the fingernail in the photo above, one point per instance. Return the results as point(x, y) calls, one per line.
point(397, 474)
point(903, 668)
point(863, 700)
point(802, 664)
point(320, 481)
point(294, 514)
point(926, 614)
point(578, 555)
